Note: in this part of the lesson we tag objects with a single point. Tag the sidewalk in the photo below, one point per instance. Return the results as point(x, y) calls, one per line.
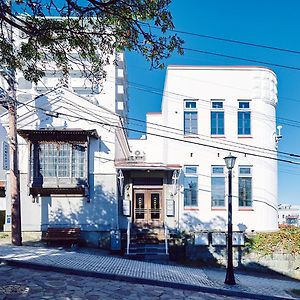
point(97, 264)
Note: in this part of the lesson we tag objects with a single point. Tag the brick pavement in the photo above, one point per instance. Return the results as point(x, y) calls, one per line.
point(97, 264)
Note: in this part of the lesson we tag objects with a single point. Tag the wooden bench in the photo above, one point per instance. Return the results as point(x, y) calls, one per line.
point(64, 235)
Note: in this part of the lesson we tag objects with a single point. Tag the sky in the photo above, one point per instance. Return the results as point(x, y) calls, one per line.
point(272, 23)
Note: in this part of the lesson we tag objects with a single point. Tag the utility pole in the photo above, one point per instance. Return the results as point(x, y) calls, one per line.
point(14, 177)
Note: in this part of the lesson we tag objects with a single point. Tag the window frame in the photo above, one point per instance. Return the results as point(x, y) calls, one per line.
point(192, 175)
point(217, 111)
point(241, 202)
point(191, 129)
point(218, 175)
point(243, 111)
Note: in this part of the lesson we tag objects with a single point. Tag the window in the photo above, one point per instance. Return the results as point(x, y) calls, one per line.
point(217, 118)
point(217, 186)
point(190, 117)
point(245, 186)
point(58, 160)
point(190, 186)
point(244, 118)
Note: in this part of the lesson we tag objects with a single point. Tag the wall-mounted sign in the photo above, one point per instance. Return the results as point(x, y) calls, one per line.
point(201, 238)
point(5, 147)
point(170, 208)
point(126, 208)
point(8, 219)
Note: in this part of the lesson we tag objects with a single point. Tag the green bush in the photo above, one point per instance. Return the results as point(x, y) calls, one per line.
point(286, 240)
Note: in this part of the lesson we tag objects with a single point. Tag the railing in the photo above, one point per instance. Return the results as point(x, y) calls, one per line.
point(128, 237)
point(166, 239)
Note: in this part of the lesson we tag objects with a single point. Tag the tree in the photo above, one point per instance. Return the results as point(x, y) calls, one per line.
point(94, 29)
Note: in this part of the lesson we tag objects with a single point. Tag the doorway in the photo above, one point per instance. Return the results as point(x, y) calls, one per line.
point(148, 208)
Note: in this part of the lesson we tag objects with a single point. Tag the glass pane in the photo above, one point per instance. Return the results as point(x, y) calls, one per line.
point(218, 191)
point(190, 122)
point(191, 191)
point(244, 122)
point(245, 191)
point(245, 170)
point(218, 170)
point(190, 104)
point(155, 206)
point(139, 206)
point(217, 104)
point(244, 104)
point(190, 169)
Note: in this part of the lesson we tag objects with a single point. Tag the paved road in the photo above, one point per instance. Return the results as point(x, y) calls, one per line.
point(20, 283)
point(99, 267)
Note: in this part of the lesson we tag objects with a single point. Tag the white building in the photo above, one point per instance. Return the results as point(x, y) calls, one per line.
point(207, 112)
point(289, 214)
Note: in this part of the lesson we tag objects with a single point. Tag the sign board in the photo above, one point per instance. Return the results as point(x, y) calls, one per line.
point(5, 156)
point(218, 239)
point(201, 238)
point(170, 208)
point(238, 239)
point(8, 219)
point(126, 208)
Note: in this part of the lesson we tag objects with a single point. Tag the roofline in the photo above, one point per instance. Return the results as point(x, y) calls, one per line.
point(197, 67)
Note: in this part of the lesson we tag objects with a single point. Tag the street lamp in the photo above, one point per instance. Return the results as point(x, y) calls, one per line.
point(229, 161)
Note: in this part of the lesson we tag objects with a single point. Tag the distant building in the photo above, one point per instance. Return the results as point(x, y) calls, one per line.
point(289, 214)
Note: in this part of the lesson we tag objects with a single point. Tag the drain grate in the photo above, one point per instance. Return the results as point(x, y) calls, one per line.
point(13, 289)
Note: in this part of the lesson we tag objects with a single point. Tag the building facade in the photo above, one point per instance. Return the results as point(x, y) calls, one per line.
point(289, 214)
point(178, 169)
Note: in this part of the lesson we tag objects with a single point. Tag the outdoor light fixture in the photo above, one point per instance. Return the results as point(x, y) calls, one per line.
point(229, 161)
point(121, 181)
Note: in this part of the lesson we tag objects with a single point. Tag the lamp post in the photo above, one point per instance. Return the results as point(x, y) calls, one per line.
point(230, 161)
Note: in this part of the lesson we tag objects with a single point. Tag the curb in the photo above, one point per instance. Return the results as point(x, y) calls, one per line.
point(217, 291)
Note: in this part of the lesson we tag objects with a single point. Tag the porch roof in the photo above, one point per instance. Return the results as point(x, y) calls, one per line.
point(50, 135)
point(129, 165)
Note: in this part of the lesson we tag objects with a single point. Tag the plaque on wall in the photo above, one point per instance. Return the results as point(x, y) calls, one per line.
point(170, 208)
point(126, 208)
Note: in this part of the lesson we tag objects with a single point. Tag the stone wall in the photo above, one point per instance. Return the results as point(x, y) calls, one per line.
point(282, 263)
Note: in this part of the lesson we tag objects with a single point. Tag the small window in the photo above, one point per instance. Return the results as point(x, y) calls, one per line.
point(190, 104)
point(244, 104)
point(190, 170)
point(245, 170)
point(217, 104)
point(218, 170)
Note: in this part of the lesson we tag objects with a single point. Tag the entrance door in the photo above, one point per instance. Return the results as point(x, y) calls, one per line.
point(148, 208)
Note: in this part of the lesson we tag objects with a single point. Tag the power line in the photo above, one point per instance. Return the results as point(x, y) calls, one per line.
point(229, 40)
point(243, 59)
point(174, 139)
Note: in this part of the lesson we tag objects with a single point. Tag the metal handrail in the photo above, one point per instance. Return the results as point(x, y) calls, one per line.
point(128, 237)
point(166, 239)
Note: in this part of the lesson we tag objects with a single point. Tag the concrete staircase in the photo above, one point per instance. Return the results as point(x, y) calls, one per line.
point(147, 243)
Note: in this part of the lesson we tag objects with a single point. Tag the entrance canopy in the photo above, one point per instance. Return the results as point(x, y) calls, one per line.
point(144, 166)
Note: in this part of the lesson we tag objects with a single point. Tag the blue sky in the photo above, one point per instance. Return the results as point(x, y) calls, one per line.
point(273, 23)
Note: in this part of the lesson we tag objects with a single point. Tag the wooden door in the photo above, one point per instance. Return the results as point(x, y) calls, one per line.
point(148, 208)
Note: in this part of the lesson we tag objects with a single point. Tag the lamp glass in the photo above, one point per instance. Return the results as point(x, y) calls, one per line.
point(230, 161)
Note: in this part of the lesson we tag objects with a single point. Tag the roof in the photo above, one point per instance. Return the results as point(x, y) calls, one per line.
point(49, 135)
point(138, 165)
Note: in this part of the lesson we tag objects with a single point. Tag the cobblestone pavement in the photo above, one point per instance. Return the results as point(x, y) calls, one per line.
point(112, 267)
point(20, 283)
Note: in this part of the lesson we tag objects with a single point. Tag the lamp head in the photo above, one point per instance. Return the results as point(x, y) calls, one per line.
point(230, 161)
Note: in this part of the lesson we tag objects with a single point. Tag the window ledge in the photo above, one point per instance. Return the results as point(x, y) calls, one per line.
point(218, 208)
point(246, 209)
point(245, 136)
point(191, 208)
point(218, 136)
point(191, 136)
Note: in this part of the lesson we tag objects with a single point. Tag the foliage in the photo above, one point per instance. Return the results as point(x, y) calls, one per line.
point(286, 240)
point(94, 29)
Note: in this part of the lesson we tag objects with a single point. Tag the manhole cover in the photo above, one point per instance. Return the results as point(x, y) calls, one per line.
point(12, 289)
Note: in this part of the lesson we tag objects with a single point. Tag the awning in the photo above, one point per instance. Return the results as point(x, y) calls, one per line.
point(54, 135)
point(128, 165)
